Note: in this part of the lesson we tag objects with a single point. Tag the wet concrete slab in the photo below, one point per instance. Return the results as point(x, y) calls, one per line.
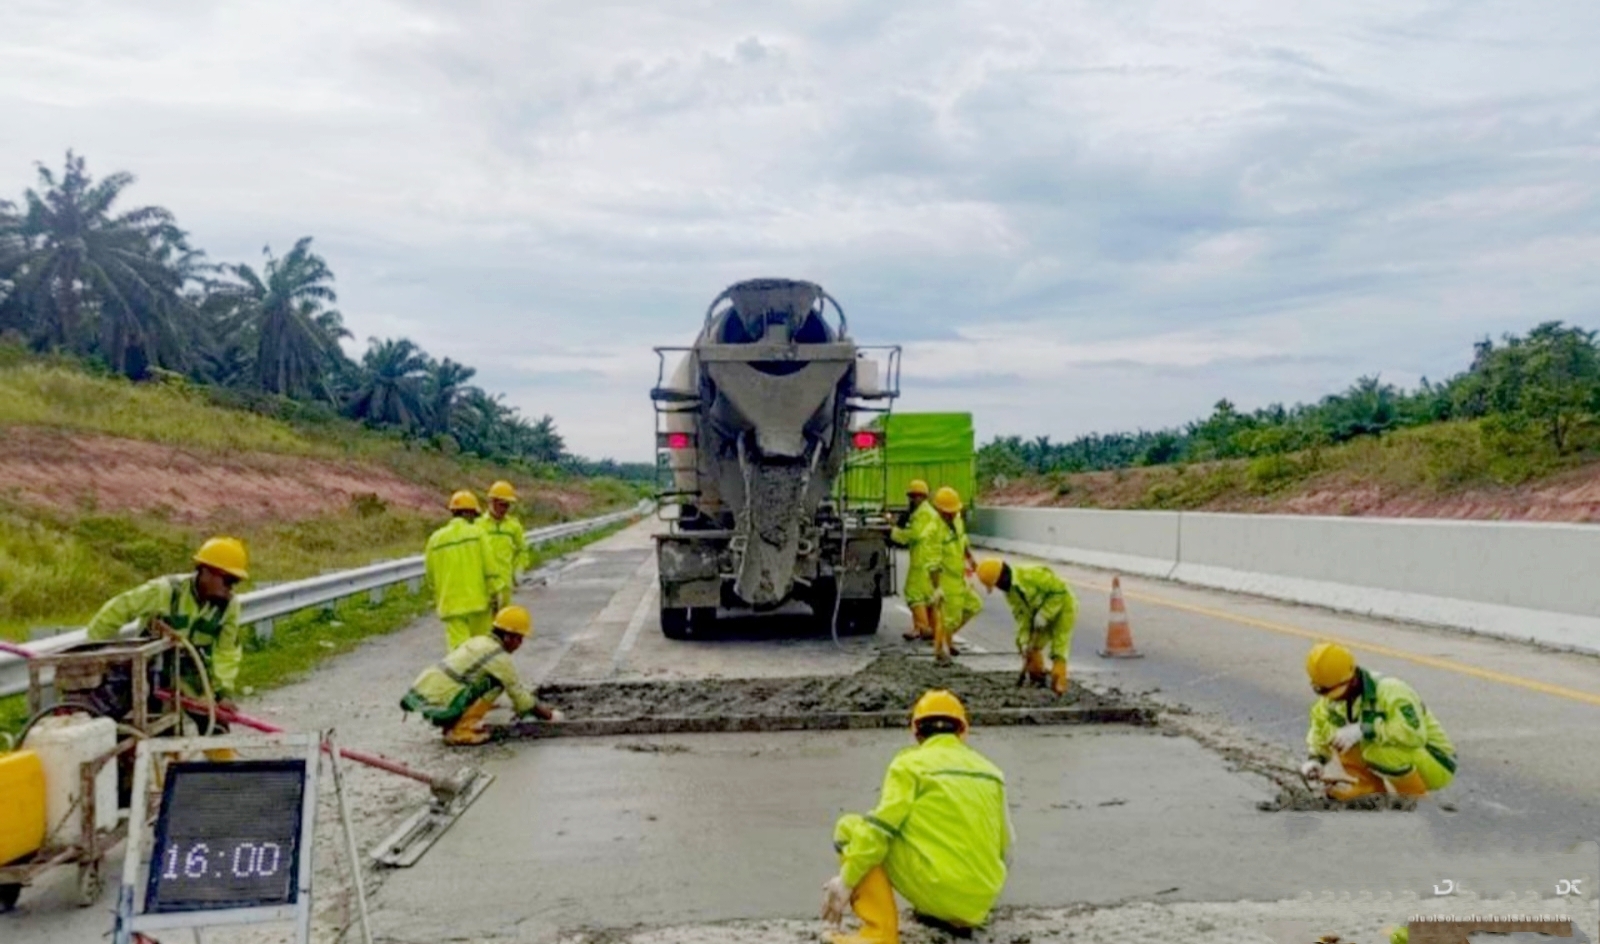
point(696, 828)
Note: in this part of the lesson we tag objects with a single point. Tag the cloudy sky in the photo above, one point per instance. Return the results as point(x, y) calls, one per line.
point(1074, 216)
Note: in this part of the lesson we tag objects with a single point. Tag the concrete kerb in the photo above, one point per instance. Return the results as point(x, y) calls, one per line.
point(1545, 629)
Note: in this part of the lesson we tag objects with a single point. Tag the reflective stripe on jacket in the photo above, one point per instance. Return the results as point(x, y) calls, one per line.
point(213, 631)
point(941, 830)
point(467, 668)
point(461, 568)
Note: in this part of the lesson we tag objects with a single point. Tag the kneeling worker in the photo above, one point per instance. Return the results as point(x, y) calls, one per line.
point(939, 835)
point(1385, 738)
point(456, 693)
point(1045, 611)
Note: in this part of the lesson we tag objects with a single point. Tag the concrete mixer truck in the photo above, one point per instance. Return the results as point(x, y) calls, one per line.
point(753, 424)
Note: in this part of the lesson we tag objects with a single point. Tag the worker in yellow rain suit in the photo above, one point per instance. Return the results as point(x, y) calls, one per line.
point(505, 533)
point(1386, 739)
point(456, 693)
point(1046, 612)
point(939, 835)
point(199, 607)
point(961, 603)
point(921, 534)
point(464, 573)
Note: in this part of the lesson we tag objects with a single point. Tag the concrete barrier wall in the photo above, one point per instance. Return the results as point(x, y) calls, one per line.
point(1528, 581)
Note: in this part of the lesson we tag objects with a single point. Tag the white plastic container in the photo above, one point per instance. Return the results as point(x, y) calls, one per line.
point(64, 743)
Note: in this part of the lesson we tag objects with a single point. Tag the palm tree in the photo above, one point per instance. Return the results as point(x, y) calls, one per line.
point(82, 277)
point(281, 308)
point(443, 387)
point(390, 390)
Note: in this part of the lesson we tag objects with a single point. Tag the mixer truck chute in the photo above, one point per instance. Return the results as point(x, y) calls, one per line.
point(753, 424)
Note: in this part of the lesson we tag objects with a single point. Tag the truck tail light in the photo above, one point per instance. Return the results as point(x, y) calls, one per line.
point(678, 441)
point(866, 439)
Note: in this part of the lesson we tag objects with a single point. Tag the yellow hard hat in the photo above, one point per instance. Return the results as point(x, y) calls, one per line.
point(514, 619)
point(917, 487)
point(464, 501)
point(939, 703)
point(947, 500)
point(1329, 665)
point(503, 490)
point(226, 555)
point(989, 571)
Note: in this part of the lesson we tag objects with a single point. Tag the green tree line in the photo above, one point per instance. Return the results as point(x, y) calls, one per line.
point(1544, 385)
point(124, 289)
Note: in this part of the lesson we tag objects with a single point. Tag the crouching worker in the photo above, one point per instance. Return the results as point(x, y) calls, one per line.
point(939, 835)
point(1386, 739)
point(456, 693)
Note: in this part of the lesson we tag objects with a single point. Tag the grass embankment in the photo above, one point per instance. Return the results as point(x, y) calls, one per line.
point(301, 641)
point(71, 543)
point(1471, 469)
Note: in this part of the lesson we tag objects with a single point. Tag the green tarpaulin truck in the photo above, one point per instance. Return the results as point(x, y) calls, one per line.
point(938, 448)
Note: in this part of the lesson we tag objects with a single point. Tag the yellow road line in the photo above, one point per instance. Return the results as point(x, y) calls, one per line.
point(1447, 665)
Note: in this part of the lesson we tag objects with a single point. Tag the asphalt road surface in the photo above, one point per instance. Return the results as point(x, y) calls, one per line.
point(697, 831)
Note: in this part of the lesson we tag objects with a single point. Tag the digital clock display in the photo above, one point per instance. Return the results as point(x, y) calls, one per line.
point(228, 836)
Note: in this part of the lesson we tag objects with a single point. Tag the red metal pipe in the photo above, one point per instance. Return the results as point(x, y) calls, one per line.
point(360, 757)
point(16, 650)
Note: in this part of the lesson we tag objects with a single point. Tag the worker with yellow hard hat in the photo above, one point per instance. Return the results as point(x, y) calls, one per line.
point(464, 572)
point(460, 690)
point(939, 835)
point(199, 607)
point(961, 603)
point(505, 532)
point(921, 534)
point(1046, 612)
point(1386, 739)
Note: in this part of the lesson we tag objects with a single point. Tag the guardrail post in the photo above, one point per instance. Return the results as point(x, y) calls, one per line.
point(414, 585)
point(263, 630)
point(375, 596)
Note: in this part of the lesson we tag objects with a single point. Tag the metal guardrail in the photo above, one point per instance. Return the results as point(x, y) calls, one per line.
point(260, 607)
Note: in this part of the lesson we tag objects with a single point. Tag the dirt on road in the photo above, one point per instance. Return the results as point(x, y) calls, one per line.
point(892, 682)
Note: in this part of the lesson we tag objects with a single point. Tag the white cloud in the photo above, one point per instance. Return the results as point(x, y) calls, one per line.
point(1076, 215)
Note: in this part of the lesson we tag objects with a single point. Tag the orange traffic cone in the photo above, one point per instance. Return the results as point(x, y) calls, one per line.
point(1119, 638)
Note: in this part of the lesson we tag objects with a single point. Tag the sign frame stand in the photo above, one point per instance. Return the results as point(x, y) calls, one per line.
point(131, 919)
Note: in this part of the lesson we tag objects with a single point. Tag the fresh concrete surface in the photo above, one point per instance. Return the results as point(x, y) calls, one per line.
point(720, 827)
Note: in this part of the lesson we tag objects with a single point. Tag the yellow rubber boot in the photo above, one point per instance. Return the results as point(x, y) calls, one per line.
point(873, 903)
point(1411, 784)
point(1034, 666)
point(919, 623)
point(468, 729)
point(941, 639)
point(1058, 677)
point(1366, 782)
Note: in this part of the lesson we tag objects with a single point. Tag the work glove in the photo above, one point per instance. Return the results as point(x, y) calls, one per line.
point(938, 597)
point(556, 714)
point(835, 900)
point(1058, 677)
point(1040, 622)
point(1346, 737)
point(1311, 770)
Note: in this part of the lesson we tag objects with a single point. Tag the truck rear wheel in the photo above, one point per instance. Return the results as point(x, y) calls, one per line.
point(860, 617)
point(685, 622)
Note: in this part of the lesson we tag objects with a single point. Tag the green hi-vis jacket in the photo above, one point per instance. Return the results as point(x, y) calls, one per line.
point(1036, 589)
point(213, 631)
point(941, 830)
point(924, 536)
point(462, 568)
point(475, 669)
point(1394, 724)
point(510, 544)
